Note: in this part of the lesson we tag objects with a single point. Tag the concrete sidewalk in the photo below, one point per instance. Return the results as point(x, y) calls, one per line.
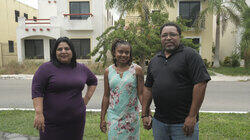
point(218, 77)
point(13, 136)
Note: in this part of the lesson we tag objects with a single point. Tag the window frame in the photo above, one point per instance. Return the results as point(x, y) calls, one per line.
point(191, 1)
point(26, 15)
point(78, 17)
point(83, 54)
point(196, 37)
point(35, 49)
point(17, 14)
point(11, 46)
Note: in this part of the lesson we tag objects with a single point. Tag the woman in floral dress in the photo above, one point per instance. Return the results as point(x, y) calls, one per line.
point(123, 85)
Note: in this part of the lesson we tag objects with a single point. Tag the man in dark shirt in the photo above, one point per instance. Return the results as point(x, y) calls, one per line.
point(176, 80)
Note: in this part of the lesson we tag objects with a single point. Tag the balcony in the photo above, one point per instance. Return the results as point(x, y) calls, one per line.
point(78, 23)
point(38, 27)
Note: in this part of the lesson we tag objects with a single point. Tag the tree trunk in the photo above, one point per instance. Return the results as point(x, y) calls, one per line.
point(217, 43)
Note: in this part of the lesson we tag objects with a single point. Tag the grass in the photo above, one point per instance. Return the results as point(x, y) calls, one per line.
point(27, 67)
point(212, 126)
point(237, 71)
point(31, 66)
point(211, 73)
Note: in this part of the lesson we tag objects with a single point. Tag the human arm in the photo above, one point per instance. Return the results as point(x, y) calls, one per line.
point(39, 84)
point(105, 102)
point(89, 93)
point(199, 76)
point(198, 97)
point(91, 83)
point(146, 102)
point(140, 83)
point(39, 118)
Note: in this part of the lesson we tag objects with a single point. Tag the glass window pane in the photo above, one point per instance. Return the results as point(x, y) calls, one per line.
point(39, 49)
point(11, 46)
point(84, 9)
point(52, 43)
point(82, 48)
point(184, 10)
point(74, 9)
point(85, 44)
point(34, 49)
point(76, 44)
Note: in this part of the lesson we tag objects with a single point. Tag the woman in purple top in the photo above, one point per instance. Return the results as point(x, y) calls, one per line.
point(57, 94)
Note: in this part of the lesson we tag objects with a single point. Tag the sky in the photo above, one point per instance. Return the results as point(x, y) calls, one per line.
point(32, 3)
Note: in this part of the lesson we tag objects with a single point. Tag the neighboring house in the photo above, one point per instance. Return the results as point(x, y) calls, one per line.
point(80, 20)
point(189, 9)
point(10, 10)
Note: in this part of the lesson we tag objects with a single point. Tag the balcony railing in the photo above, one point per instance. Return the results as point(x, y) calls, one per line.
point(37, 21)
point(85, 14)
point(82, 21)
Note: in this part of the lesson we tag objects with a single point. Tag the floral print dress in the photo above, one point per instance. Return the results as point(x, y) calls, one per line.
point(123, 111)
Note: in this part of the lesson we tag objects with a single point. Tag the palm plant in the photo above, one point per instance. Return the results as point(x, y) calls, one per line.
point(223, 11)
point(140, 6)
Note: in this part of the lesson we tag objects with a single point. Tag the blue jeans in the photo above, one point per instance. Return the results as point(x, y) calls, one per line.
point(162, 131)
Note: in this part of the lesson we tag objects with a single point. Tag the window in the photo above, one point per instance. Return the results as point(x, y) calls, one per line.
point(79, 8)
point(34, 18)
point(17, 14)
point(82, 48)
point(34, 49)
point(189, 10)
point(52, 43)
point(196, 42)
point(11, 46)
point(26, 15)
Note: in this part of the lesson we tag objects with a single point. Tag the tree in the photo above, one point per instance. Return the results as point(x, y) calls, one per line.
point(245, 41)
point(223, 11)
point(141, 6)
point(144, 36)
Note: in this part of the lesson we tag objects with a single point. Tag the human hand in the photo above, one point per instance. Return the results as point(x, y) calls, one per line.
point(85, 100)
point(39, 122)
point(103, 126)
point(147, 122)
point(189, 124)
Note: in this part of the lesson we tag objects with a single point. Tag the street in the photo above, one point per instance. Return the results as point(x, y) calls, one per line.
point(220, 95)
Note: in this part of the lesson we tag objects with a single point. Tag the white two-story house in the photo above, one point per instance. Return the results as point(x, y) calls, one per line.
point(80, 20)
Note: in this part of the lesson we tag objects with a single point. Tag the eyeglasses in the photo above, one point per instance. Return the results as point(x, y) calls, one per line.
point(171, 35)
point(61, 49)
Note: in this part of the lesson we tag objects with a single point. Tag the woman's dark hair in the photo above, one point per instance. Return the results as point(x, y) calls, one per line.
point(53, 58)
point(171, 24)
point(116, 43)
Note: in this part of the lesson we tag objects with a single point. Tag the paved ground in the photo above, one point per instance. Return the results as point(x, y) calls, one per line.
point(229, 95)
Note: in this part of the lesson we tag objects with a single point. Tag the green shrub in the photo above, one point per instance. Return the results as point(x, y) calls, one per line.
point(207, 63)
point(227, 61)
point(235, 59)
point(247, 57)
point(232, 61)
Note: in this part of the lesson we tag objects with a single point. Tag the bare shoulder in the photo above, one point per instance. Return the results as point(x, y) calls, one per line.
point(138, 69)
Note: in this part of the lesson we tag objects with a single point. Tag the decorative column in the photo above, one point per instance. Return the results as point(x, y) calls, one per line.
point(46, 48)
